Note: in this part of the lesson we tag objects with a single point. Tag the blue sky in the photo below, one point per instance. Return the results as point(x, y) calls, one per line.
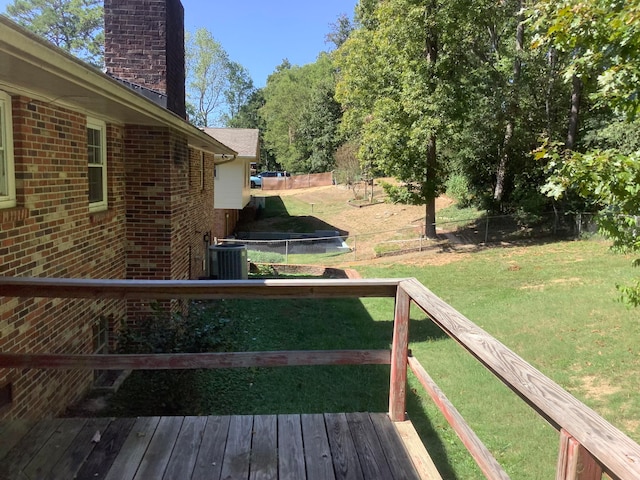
point(259, 34)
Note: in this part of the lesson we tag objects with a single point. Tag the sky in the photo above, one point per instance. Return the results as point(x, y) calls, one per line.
point(259, 34)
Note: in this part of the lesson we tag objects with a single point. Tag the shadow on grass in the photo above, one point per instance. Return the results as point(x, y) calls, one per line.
point(276, 217)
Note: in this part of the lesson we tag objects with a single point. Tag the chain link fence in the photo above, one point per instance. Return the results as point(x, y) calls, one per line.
point(332, 247)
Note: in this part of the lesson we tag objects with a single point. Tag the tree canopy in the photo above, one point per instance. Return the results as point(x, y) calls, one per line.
point(216, 86)
point(73, 25)
point(298, 106)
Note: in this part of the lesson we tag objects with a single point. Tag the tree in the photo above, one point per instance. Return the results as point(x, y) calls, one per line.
point(340, 31)
point(288, 94)
point(208, 73)
point(73, 25)
point(239, 90)
point(318, 137)
point(399, 76)
point(603, 38)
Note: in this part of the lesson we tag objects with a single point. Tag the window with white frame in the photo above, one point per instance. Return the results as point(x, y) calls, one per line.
point(7, 176)
point(97, 159)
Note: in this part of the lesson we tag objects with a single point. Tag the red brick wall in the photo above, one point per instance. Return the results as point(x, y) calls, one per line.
point(52, 234)
point(201, 211)
point(225, 222)
point(144, 44)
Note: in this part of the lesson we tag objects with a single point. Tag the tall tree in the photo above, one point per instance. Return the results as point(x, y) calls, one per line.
point(239, 91)
point(318, 137)
point(73, 25)
point(288, 94)
point(399, 80)
point(208, 77)
point(248, 116)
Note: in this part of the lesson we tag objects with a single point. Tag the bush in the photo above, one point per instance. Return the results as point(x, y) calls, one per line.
point(458, 189)
point(169, 392)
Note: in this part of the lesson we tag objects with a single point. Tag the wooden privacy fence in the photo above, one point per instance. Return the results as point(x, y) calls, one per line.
point(297, 181)
point(589, 446)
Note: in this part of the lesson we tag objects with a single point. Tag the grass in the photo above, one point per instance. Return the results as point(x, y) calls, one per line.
point(556, 306)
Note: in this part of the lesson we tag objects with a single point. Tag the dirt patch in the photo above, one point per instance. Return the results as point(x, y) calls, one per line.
point(597, 388)
point(367, 226)
point(359, 221)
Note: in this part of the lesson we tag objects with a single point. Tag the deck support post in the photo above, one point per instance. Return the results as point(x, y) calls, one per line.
point(399, 350)
point(575, 462)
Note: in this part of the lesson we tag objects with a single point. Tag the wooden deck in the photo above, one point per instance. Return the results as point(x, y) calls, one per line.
point(309, 446)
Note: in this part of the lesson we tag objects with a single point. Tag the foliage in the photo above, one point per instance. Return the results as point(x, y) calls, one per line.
point(170, 391)
point(318, 138)
point(217, 87)
point(248, 116)
point(458, 188)
point(199, 331)
point(348, 170)
point(603, 38)
point(73, 25)
point(265, 257)
point(610, 181)
point(240, 90)
point(340, 31)
point(419, 74)
point(293, 113)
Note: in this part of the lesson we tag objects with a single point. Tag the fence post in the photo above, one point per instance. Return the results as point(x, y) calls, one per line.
point(286, 252)
point(355, 247)
point(579, 225)
point(575, 462)
point(399, 351)
point(486, 230)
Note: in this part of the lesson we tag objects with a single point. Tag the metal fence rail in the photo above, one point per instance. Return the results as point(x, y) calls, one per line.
point(459, 233)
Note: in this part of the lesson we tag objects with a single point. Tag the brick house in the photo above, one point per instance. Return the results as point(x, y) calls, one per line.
point(99, 177)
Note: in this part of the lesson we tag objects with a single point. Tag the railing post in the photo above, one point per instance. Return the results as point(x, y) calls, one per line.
point(575, 462)
point(399, 350)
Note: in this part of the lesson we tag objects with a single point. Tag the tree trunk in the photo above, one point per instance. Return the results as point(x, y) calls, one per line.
point(576, 97)
point(512, 108)
point(430, 209)
point(549, 101)
point(431, 53)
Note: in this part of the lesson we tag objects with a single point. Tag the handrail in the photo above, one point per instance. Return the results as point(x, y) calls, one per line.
point(615, 451)
point(589, 444)
point(175, 361)
point(194, 289)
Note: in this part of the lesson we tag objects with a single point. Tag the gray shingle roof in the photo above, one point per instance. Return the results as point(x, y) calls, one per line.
point(245, 141)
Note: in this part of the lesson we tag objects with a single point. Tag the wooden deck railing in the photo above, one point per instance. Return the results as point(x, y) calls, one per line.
point(589, 445)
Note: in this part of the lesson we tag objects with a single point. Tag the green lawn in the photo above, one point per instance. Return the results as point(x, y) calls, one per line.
point(554, 304)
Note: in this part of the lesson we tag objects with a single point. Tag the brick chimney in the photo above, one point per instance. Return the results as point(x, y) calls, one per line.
point(144, 46)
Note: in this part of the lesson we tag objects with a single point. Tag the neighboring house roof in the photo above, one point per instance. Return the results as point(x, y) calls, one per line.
point(30, 65)
point(245, 141)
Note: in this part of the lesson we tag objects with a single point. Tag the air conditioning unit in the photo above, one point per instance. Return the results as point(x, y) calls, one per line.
point(228, 262)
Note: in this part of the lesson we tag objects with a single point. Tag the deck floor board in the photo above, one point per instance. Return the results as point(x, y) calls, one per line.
point(334, 446)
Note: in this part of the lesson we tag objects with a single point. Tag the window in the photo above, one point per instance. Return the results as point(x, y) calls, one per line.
point(7, 176)
point(97, 158)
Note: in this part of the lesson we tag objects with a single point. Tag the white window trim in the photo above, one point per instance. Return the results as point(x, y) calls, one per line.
point(102, 128)
point(7, 201)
